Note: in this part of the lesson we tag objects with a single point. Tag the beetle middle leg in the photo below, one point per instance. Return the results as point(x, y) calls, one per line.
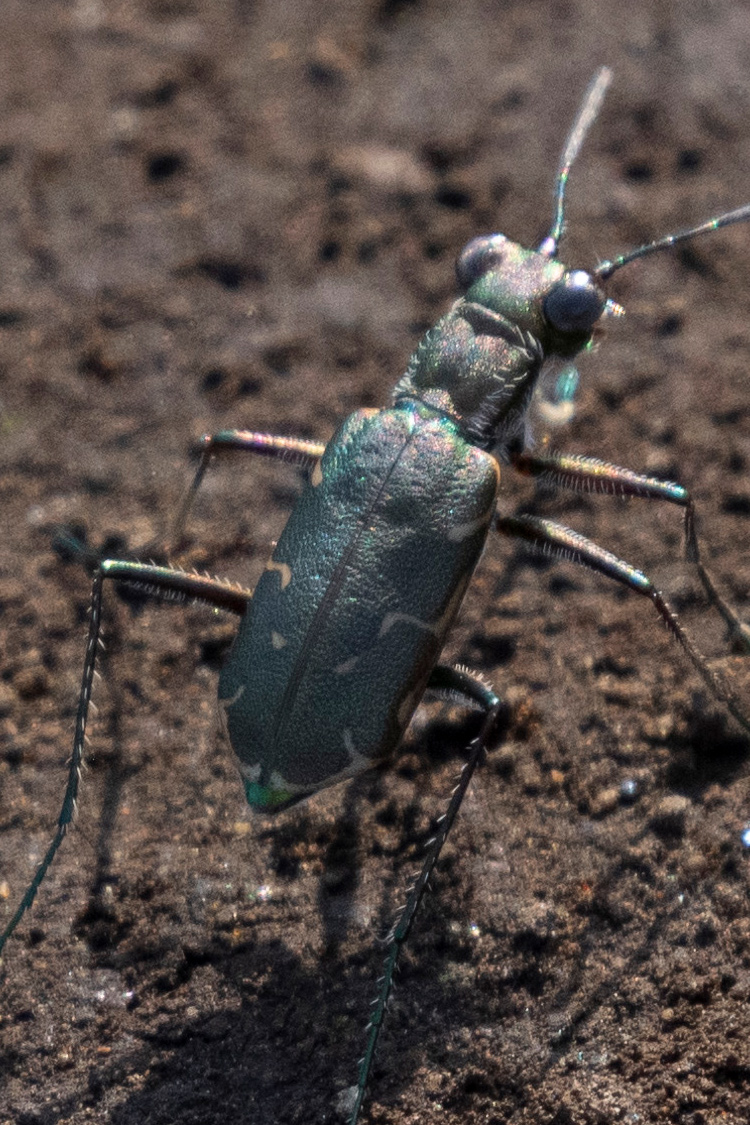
point(579, 473)
point(559, 540)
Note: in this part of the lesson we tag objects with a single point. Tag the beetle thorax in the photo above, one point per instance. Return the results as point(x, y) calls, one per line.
point(477, 368)
point(480, 363)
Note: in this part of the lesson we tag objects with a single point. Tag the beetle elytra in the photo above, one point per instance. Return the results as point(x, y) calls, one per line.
point(342, 636)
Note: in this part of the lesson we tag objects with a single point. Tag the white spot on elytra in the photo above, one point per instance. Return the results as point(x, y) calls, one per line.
point(224, 705)
point(392, 619)
point(357, 761)
point(250, 773)
point(277, 640)
point(462, 531)
point(284, 570)
point(346, 666)
point(279, 784)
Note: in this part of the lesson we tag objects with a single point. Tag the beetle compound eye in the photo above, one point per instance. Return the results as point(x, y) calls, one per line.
point(479, 257)
point(575, 304)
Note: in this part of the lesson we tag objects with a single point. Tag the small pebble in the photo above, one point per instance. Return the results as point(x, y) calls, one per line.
point(605, 801)
point(669, 815)
point(32, 682)
point(628, 791)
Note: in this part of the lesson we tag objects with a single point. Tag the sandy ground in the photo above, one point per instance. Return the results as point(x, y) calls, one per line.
point(245, 214)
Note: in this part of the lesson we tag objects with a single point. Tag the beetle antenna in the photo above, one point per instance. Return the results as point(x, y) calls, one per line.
point(587, 114)
point(606, 269)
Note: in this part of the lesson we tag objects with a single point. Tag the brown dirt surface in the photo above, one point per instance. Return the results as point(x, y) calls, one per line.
point(220, 214)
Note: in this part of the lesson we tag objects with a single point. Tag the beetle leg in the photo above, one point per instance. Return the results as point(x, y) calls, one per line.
point(470, 689)
point(589, 473)
point(296, 450)
point(174, 585)
point(559, 540)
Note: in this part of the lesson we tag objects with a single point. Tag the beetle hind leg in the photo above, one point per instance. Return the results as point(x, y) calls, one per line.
point(465, 687)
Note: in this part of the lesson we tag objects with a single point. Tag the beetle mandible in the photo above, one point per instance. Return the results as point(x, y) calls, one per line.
point(342, 636)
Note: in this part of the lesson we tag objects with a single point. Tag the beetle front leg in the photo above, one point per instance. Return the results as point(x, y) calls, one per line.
point(591, 474)
point(297, 450)
point(159, 581)
point(465, 687)
point(559, 540)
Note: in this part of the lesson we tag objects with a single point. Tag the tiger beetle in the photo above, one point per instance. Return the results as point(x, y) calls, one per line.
point(342, 636)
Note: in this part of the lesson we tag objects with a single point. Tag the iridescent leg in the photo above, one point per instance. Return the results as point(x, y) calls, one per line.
point(297, 450)
point(588, 473)
point(460, 684)
point(558, 540)
point(159, 581)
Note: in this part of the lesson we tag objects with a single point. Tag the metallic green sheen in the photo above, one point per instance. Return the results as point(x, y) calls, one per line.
point(481, 361)
point(267, 799)
point(347, 622)
point(516, 288)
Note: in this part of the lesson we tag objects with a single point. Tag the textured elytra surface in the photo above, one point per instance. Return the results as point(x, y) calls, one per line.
point(218, 216)
point(375, 573)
